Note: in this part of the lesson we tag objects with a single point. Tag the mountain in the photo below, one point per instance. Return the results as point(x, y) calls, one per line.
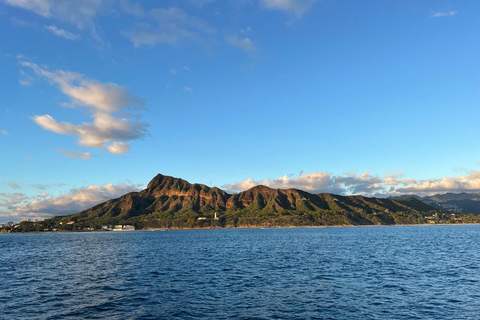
point(455, 202)
point(163, 194)
point(170, 202)
point(465, 203)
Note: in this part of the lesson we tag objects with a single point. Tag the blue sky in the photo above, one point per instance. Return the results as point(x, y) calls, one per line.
point(370, 97)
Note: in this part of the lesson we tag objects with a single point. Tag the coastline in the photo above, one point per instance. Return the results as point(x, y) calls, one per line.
point(254, 227)
point(293, 227)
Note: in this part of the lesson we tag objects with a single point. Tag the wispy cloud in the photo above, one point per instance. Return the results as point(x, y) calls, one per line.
point(40, 7)
point(11, 200)
point(187, 89)
point(202, 2)
point(4, 132)
point(118, 148)
point(78, 199)
point(103, 100)
point(77, 155)
point(24, 83)
point(46, 186)
point(25, 80)
point(134, 9)
point(177, 70)
point(173, 26)
point(241, 42)
point(14, 186)
point(20, 22)
point(82, 14)
point(295, 7)
point(79, 13)
point(365, 184)
point(62, 33)
point(443, 14)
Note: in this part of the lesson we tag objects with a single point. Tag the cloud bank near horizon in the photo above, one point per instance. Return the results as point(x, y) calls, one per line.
point(364, 184)
point(19, 205)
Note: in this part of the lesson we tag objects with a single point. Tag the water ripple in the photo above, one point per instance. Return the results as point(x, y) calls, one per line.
point(314, 273)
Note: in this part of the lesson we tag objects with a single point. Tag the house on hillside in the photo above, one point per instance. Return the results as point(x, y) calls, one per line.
point(123, 227)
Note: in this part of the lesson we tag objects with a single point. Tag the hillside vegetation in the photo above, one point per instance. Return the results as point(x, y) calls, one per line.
point(170, 202)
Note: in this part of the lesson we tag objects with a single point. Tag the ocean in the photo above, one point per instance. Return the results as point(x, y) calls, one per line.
point(391, 272)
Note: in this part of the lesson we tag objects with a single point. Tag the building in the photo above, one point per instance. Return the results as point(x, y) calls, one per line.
point(123, 227)
point(6, 225)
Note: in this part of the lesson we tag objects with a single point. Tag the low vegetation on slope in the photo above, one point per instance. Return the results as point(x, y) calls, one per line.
point(170, 202)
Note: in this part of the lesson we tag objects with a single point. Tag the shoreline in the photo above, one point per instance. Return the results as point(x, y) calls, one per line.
point(294, 227)
point(255, 227)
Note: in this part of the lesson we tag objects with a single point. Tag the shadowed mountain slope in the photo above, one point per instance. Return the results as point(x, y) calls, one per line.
point(454, 202)
point(174, 202)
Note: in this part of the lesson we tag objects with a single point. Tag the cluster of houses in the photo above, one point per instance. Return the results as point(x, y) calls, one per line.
point(446, 206)
point(119, 227)
point(10, 226)
point(6, 225)
point(439, 219)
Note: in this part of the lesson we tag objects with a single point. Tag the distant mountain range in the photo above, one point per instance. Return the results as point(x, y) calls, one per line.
point(170, 202)
point(453, 202)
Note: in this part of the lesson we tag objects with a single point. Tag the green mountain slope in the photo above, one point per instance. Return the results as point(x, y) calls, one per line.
point(169, 202)
point(465, 203)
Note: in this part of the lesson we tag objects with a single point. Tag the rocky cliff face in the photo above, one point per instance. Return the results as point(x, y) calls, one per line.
point(172, 195)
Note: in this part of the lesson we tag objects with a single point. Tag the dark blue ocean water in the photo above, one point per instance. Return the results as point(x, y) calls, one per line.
point(402, 272)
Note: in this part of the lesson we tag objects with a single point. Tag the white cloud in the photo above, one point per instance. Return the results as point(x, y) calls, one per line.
point(118, 148)
point(104, 101)
point(241, 42)
point(77, 155)
point(14, 186)
point(46, 186)
point(312, 182)
point(187, 89)
point(295, 7)
point(20, 22)
point(443, 14)
point(470, 182)
point(10, 200)
point(134, 9)
point(80, 13)
point(41, 7)
point(173, 71)
point(4, 132)
point(25, 79)
point(62, 33)
point(202, 2)
point(365, 184)
point(25, 83)
point(74, 201)
point(242, 185)
point(173, 26)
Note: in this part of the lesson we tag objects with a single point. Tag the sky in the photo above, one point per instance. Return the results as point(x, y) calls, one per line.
point(379, 98)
